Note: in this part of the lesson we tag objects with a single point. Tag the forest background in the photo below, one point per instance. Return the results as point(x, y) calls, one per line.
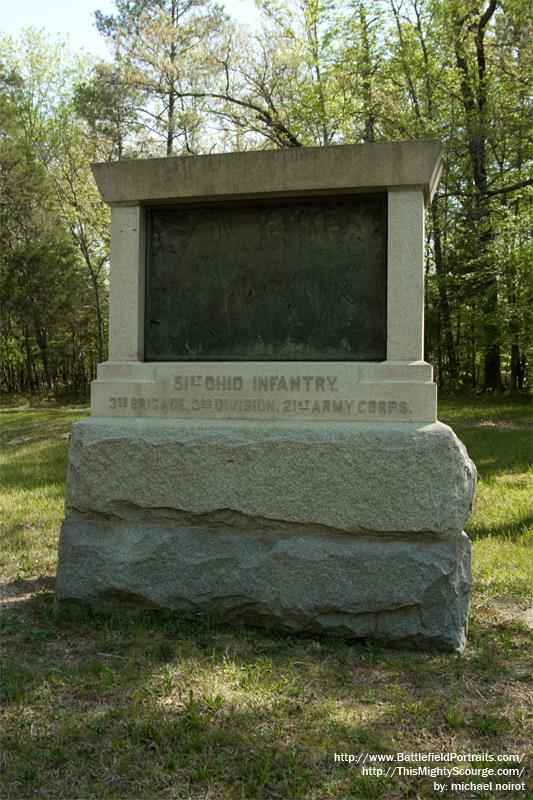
point(184, 78)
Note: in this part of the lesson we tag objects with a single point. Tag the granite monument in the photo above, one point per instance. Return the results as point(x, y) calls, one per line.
point(263, 445)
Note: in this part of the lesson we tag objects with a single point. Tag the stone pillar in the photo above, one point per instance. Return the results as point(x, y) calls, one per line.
point(405, 289)
point(126, 284)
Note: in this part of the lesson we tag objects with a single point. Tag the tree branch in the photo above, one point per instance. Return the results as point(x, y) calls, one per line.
point(490, 192)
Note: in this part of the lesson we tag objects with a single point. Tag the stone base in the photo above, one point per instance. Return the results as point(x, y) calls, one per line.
point(406, 593)
point(339, 529)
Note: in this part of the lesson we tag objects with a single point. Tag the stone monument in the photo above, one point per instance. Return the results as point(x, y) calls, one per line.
point(263, 444)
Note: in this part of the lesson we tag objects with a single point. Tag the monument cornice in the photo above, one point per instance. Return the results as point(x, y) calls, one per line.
point(337, 169)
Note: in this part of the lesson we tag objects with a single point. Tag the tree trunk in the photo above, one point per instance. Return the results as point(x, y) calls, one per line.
point(30, 384)
point(170, 122)
point(172, 86)
point(99, 319)
point(368, 98)
point(42, 342)
point(474, 98)
point(444, 305)
point(517, 371)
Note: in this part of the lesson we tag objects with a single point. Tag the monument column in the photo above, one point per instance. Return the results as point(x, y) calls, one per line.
point(405, 276)
point(126, 284)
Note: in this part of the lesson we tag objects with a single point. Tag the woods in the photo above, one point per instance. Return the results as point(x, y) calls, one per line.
point(184, 78)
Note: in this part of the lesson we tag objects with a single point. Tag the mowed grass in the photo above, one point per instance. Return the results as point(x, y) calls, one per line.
point(148, 705)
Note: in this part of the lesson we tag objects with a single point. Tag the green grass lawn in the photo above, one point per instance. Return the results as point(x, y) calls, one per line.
point(147, 705)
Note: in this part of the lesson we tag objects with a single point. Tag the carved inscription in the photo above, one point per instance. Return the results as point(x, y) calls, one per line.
point(261, 395)
point(292, 281)
point(250, 406)
point(259, 383)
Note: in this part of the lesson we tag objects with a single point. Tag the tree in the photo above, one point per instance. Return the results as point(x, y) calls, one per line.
point(159, 48)
point(317, 72)
point(39, 271)
point(108, 105)
point(53, 248)
point(85, 216)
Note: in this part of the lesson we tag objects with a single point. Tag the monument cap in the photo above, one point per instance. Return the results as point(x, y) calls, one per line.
point(374, 167)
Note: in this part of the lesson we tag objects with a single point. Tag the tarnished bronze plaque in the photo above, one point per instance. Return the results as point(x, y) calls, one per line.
point(295, 281)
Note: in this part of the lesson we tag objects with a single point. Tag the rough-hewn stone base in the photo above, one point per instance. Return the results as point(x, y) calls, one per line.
point(342, 528)
point(404, 592)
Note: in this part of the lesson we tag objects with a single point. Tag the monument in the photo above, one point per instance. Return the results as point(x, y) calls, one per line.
point(263, 445)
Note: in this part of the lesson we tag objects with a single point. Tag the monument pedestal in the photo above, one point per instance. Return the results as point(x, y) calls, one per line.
point(340, 527)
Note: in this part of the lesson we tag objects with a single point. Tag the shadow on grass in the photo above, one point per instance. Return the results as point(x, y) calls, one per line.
point(512, 531)
point(497, 451)
point(29, 470)
point(22, 426)
point(453, 410)
point(143, 704)
point(22, 587)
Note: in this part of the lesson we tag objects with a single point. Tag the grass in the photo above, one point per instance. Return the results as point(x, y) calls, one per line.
point(147, 705)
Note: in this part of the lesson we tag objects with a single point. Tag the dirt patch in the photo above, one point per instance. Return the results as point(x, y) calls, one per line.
point(19, 440)
point(22, 590)
point(502, 424)
point(526, 617)
point(37, 439)
point(509, 612)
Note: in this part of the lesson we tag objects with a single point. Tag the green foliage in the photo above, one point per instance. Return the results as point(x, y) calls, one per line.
point(53, 228)
point(186, 79)
point(162, 55)
point(108, 106)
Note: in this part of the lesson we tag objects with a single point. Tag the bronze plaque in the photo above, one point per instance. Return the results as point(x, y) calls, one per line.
point(289, 281)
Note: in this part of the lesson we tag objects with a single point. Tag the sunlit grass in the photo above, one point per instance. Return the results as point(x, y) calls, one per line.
point(32, 479)
point(485, 408)
point(502, 523)
point(148, 705)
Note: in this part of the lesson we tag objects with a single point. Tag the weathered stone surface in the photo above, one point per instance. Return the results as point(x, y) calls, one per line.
point(305, 390)
point(345, 529)
point(243, 503)
point(264, 173)
point(307, 477)
point(408, 593)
